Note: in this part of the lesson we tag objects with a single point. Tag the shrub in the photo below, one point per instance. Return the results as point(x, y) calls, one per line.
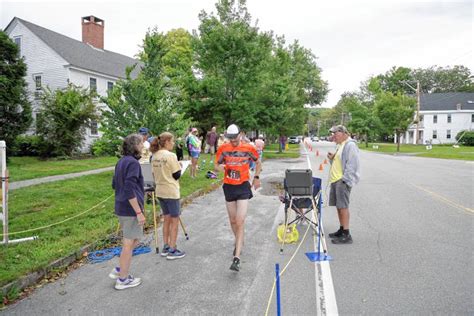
point(106, 147)
point(465, 138)
point(26, 145)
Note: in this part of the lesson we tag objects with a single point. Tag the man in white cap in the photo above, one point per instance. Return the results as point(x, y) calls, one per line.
point(233, 158)
point(344, 174)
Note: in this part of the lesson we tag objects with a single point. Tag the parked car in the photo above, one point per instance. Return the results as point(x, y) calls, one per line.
point(315, 139)
point(293, 140)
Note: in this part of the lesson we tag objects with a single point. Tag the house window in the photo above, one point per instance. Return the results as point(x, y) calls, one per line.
point(38, 86)
point(448, 134)
point(449, 118)
point(94, 128)
point(110, 86)
point(421, 118)
point(93, 84)
point(435, 119)
point(18, 43)
point(435, 134)
point(472, 118)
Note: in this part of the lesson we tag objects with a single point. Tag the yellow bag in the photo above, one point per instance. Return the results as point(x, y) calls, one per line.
point(292, 234)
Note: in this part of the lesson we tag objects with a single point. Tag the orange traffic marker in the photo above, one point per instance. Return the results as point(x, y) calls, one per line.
point(325, 162)
point(321, 167)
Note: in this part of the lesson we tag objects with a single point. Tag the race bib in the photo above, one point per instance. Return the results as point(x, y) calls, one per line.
point(233, 174)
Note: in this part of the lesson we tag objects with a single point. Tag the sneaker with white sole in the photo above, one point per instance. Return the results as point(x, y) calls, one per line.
point(235, 264)
point(165, 250)
point(115, 273)
point(175, 254)
point(130, 281)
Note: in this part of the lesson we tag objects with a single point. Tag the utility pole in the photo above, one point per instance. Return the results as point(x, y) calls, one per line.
point(418, 96)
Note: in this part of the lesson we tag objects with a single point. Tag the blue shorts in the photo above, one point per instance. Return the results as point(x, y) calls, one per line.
point(194, 154)
point(170, 207)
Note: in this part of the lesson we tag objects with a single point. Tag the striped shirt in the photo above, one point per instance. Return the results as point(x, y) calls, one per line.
point(237, 161)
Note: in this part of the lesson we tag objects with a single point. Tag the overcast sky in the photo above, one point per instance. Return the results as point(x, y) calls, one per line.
point(352, 39)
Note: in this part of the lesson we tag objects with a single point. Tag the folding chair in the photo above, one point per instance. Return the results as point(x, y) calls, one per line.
point(302, 195)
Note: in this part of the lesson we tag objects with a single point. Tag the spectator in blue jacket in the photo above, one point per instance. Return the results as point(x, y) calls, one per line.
point(129, 199)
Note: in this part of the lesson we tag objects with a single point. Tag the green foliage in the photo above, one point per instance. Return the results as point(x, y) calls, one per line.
point(252, 78)
point(465, 138)
point(15, 109)
point(155, 98)
point(61, 121)
point(106, 147)
point(27, 145)
point(395, 112)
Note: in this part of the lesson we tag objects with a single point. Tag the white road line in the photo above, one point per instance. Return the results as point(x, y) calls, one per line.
point(325, 295)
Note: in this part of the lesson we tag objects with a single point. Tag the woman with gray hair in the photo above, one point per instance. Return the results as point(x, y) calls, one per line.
point(129, 200)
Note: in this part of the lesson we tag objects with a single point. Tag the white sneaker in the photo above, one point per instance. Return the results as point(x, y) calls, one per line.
point(129, 282)
point(114, 274)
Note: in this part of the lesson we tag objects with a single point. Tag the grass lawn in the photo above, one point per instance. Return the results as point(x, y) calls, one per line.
point(271, 151)
point(23, 168)
point(438, 151)
point(50, 203)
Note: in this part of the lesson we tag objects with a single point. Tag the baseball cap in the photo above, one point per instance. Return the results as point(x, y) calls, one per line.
point(232, 131)
point(339, 128)
point(194, 129)
point(143, 131)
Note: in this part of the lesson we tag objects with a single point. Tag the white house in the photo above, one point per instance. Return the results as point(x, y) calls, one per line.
point(55, 60)
point(442, 117)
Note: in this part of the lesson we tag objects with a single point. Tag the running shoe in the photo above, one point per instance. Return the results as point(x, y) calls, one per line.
point(130, 281)
point(175, 254)
point(165, 250)
point(344, 239)
point(235, 264)
point(115, 273)
point(336, 234)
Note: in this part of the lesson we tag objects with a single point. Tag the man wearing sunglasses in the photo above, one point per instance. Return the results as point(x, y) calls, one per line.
point(344, 174)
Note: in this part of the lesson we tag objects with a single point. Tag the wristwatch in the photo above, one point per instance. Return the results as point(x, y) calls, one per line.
point(256, 177)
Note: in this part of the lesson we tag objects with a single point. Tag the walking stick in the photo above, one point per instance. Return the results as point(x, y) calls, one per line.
point(155, 228)
point(184, 229)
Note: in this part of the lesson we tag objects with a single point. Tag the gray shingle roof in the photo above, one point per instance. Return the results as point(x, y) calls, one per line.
point(83, 55)
point(446, 101)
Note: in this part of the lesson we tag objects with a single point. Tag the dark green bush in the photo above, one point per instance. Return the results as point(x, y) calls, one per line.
point(465, 138)
point(26, 145)
point(105, 147)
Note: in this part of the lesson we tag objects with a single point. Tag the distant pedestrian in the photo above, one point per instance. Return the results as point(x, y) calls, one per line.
point(282, 140)
point(344, 174)
point(260, 145)
point(129, 199)
point(233, 158)
point(179, 149)
point(194, 145)
point(167, 171)
point(220, 141)
point(145, 154)
point(211, 144)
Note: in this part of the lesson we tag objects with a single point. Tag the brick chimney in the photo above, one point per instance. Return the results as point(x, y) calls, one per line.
point(93, 31)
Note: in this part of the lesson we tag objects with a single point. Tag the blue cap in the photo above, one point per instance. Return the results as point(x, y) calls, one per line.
point(143, 131)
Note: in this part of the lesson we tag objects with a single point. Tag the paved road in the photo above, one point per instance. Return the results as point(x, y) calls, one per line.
point(412, 221)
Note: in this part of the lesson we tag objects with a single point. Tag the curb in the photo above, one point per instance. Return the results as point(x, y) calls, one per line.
point(33, 277)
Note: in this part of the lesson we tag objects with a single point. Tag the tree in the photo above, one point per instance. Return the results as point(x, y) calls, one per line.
point(15, 109)
point(155, 98)
point(395, 112)
point(444, 79)
point(61, 121)
point(363, 121)
point(230, 56)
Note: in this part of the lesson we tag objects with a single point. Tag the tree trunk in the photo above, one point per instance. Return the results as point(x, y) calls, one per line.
point(366, 139)
point(398, 141)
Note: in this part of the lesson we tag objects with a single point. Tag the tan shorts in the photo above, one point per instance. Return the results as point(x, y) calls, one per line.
point(130, 227)
point(210, 149)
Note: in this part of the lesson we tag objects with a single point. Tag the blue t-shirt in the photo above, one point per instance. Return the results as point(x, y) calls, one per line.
point(128, 183)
